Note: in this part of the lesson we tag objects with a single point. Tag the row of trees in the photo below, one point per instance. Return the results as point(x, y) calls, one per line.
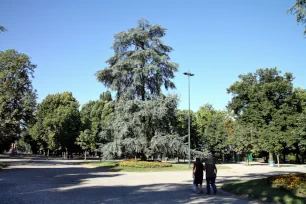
point(266, 115)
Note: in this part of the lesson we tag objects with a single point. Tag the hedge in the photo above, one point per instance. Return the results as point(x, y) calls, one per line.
point(144, 164)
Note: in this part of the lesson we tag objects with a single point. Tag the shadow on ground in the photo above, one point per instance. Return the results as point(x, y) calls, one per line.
point(52, 181)
point(74, 184)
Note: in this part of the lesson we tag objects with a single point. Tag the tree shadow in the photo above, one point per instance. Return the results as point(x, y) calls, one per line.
point(220, 180)
point(74, 184)
point(153, 193)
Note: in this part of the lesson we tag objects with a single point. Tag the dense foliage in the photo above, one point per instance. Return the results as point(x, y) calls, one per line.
point(266, 115)
point(17, 96)
point(266, 108)
point(58, 123)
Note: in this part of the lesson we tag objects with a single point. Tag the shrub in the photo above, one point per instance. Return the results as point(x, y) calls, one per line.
point(295, 183)
point(291, 158)
point(144, 164)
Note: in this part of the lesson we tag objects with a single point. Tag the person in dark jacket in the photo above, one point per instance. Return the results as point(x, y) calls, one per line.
point(211, 174)
point(198, 169)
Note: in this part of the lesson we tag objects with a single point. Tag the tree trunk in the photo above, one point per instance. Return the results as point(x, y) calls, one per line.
point(66, 153)
point(178, 159)
point(270, 156)
point(85, 154)
point(297, 158)
point(48, 155)
point(238, 157)
point(248, 159)
point(284, 157)
point(223, 159)
point(277, 160)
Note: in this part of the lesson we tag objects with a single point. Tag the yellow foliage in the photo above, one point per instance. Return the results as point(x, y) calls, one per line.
point(143, 164)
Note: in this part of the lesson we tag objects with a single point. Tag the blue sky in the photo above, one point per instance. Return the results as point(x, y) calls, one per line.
point(216, 40)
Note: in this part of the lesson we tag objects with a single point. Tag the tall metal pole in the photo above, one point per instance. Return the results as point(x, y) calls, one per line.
point(189, 75)
point(189, 120)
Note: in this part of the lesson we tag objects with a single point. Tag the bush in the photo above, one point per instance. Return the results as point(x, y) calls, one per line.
point(144, 164)
point(291, 158)
point(295, 183)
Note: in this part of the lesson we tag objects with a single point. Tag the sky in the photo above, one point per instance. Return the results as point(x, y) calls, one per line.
point(70, 41)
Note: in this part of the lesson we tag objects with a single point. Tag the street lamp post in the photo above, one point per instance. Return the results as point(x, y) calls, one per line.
point(189, 75)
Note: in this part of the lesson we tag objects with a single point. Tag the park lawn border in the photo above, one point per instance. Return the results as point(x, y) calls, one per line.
point(114, 166)
point(260, 189)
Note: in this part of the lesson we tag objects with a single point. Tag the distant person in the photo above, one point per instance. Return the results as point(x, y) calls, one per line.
point(211, 174)
point(198, 169)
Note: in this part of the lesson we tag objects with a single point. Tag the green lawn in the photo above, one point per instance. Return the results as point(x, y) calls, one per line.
point(114, 166)
point(260, 189)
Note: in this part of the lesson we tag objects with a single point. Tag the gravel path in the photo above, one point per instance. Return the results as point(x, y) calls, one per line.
point(60, 181)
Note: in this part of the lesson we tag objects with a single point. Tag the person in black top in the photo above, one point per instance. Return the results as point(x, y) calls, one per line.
point(211, 174)
point(198, 169)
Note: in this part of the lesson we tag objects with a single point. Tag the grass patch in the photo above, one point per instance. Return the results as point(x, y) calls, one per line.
point(114, 166)
point(262, 189)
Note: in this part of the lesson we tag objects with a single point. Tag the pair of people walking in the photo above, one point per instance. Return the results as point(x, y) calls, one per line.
point(211, 173)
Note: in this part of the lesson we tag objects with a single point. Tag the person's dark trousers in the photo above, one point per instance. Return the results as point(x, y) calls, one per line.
point(211, 181)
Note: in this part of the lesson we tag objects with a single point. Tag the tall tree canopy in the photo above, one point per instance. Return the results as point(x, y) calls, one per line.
point(96, 117)
point(265, 102)
point(106, 96)
point(212, 129)
point(58, 122)
point(17, 97)
point(141, 64)
point(138, 70)
point(182, 128)
point(299, 9)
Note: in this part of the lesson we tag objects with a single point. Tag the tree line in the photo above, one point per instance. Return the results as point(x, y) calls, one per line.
point(266, 115)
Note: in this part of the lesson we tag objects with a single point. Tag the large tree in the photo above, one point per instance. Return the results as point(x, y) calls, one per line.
point(141, 64)
point(137, 72)
point(299, 9)
point(182, 128)
point(17, 96)
point(212, 129)
point(95, 119)
point(264, 101)
point(58, 122)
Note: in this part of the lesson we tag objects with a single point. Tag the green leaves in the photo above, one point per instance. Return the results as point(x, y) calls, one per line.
point(299, 9)
point(265, 101)
point(17, 97)
point(135, 123)
point(58, 122)
point(140, 66)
